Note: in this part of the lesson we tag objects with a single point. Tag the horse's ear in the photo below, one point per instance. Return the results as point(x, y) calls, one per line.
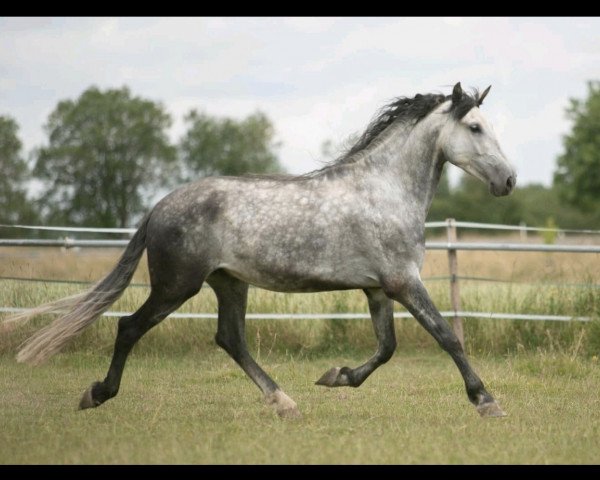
point(482, 96)
point(456, 93)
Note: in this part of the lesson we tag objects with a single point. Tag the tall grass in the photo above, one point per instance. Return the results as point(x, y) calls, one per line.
point(555, 295)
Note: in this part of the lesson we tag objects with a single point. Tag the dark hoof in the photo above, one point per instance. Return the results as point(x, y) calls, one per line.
point(87, 400)
point(336, 377)
point(490, 409)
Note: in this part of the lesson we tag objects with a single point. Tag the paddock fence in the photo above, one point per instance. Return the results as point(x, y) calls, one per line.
point(452, 246)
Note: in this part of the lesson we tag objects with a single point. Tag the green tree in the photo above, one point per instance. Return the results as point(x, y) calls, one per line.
point(108, 152)
point(540, 203)
point(471, 201)
point(15, 207)
point(442, 206)
point(443, 189)
point(224, 146)
point(474, 202)
point(576, 176)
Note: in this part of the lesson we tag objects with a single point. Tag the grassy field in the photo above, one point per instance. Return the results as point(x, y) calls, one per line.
point(184, 401)
point(540, 283)
point(201, 409)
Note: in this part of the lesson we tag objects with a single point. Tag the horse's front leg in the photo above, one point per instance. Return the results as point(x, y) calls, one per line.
point(382, 314)
point(413, 295)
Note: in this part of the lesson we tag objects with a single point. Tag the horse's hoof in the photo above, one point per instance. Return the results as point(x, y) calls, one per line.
point(336, 377)
point(87, 400)
point(289, 413)
point(328, 378)
point(490, 409)
point(284, 405)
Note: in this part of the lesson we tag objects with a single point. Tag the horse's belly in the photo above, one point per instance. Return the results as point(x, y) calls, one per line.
point(294, 280)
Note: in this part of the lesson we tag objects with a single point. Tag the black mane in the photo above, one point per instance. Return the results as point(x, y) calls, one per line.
point(407, 110)
point(401, 109)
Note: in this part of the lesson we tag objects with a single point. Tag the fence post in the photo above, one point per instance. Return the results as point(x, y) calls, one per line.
point(523, 231)
point(457, 324)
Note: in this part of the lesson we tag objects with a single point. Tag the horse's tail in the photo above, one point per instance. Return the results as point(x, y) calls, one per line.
point(79, 311)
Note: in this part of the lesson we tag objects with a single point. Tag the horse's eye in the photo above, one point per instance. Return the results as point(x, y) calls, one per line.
point(475, 128)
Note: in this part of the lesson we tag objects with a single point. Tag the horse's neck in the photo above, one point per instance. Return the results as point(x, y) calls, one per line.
point(408, 161)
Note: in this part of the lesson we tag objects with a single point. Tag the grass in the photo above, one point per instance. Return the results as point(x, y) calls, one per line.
point(202, 409)
point(319, 337)
point(185, 401)
point(568, 287)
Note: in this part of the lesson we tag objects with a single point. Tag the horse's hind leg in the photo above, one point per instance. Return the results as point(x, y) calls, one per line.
point(131, 328)
point(232, 297)
point(382, 314)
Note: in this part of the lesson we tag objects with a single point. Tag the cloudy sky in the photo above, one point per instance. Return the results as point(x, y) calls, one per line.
point(316, 78)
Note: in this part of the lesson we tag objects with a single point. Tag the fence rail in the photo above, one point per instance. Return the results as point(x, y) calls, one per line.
point(71, 229)
point(350, 316)
point(514, 247)
point(451, 246)
point(519, 228)
point(494, 246)
point(61, 242)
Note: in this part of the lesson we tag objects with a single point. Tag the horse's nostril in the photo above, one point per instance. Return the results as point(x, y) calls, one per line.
point(509, 182)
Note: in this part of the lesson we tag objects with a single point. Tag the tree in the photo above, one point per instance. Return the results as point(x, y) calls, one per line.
point(471, 201)
point(442, 205)
point(108, 152)
point(224, 146)
point(15, 207)
point(539, 203)
point(577, 177)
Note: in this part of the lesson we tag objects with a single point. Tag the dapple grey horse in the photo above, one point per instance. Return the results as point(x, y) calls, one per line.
point(357, 223)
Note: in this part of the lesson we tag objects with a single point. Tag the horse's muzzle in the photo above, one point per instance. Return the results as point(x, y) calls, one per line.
point(503, 188)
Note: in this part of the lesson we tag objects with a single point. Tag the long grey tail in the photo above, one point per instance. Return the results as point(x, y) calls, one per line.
point(79, 311)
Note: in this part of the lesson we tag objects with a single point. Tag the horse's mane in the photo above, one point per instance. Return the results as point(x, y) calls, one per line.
point(407, 110)
point(400, 110)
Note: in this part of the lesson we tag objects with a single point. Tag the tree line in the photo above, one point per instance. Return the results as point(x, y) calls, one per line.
point(108, 157)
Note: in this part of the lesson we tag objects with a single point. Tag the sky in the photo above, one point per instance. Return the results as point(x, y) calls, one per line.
point(316, 78)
